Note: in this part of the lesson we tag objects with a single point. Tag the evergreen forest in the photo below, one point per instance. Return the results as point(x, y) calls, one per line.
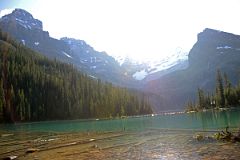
point(225, 96)
point(35, 88)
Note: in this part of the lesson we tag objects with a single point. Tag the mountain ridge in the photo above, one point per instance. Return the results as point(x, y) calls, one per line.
point(207, 55)
point(79, 53)
point(22, 26)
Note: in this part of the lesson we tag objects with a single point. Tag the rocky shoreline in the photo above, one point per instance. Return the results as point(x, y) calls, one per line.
point(152, 144)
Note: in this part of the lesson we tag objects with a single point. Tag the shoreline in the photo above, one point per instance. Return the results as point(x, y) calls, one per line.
point(149, 144)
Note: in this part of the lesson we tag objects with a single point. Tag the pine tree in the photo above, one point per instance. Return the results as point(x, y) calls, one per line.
point(220, 99)
point(2, 100)
point(201, 99)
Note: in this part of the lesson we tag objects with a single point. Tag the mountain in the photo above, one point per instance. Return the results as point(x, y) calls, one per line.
point(171, 82)
point(147, 70)
point(33, 88)
point(24, 28)
point(213, 50)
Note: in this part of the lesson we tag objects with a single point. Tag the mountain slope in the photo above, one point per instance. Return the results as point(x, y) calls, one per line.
point(34, 88)
point(23, 27)
point(213, 50)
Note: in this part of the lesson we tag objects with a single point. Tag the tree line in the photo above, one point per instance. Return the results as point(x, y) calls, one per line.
point(33, 88)
point(226, 95)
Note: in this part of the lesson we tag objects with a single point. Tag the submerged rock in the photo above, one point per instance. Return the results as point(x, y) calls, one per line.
point(32, 150)
point(199, 137)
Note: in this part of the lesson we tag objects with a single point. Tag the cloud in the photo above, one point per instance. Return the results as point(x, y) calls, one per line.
point(5, 12)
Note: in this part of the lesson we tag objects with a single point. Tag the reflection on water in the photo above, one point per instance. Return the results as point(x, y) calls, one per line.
point(198, 121)
point(219, 119)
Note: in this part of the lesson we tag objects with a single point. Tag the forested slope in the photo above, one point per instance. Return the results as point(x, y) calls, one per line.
point(34, 88)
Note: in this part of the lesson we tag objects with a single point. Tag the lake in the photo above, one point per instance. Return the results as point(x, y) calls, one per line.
point(167, 136)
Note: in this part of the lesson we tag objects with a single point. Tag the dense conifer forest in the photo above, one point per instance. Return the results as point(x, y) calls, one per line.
point(33, 88)
point(226, 95)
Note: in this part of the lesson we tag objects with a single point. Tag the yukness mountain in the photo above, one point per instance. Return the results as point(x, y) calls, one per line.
point(29, 31)
point(168, 88)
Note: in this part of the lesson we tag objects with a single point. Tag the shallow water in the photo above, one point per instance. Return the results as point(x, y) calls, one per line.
point(158, 137)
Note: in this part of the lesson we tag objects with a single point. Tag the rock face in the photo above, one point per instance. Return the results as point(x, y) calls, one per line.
point(96, 63)
point(212, 45)
point(213, 50)
point(23, 27)
point(24, 19)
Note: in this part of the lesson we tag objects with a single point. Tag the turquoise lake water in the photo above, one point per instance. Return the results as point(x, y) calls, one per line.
point(163, 137)
point(210, 120)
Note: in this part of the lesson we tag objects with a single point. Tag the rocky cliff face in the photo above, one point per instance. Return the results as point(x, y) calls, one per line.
point(213, 50)
point(212, 45)
point(23, 27)
point(24, 19)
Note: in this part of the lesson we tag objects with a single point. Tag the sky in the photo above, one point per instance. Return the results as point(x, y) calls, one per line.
point(139, 29)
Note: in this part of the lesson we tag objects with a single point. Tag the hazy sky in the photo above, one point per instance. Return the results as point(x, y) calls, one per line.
point(141, 29)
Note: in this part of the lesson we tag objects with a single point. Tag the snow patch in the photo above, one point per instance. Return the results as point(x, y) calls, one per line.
point(140, 75)
point(93, 59)
point(23, 23)
point(23, 42)
point(93, 67)
point(92, 76)
point(66, 54)
point(162, 66)
point(36, 43)
point(225, 47)
point(19, 20)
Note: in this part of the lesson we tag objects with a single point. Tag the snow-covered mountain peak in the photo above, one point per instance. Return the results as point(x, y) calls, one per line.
point(141, 69)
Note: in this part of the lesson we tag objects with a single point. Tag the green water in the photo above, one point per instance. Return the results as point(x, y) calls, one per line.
point(210, 120)
point(161, 137)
